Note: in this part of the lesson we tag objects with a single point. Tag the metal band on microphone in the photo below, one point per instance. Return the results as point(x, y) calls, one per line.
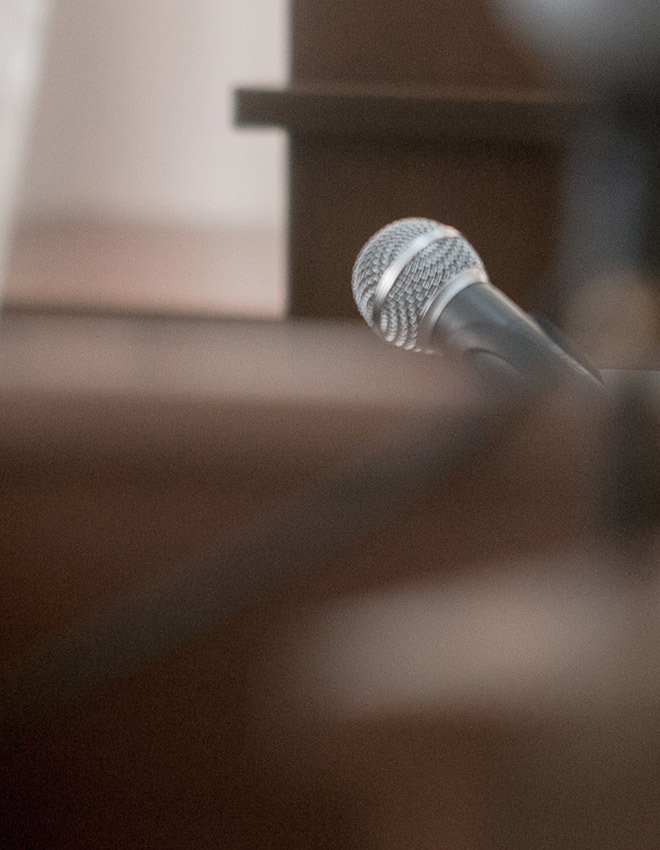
point(437, 304)
point(392, 272)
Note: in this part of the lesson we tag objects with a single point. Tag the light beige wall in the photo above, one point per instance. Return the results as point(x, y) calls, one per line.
point(134, 115)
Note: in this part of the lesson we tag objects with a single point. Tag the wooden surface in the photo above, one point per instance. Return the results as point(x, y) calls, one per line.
point(486, 163)
point(302, 363)
point(440, 113)
point(231, 412)
point(126, 444)
point(504, 200)
point(512, 117)
point(438, 43)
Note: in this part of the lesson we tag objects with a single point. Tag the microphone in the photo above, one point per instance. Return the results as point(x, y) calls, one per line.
point(422, 286)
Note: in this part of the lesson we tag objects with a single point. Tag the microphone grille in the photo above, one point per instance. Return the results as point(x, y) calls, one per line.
point(421, 278)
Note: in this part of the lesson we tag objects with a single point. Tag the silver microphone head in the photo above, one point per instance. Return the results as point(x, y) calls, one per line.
point(403, 269)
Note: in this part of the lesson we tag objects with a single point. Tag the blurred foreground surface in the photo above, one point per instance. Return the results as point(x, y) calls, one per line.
point(324, 715)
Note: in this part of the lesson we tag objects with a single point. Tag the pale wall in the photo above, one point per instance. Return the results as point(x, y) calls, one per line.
point(134, 114)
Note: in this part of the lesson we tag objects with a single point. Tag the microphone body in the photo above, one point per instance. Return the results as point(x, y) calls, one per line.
point(421, 285)
point(484, 324)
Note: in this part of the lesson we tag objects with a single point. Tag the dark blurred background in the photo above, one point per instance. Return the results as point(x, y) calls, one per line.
point(187, 397)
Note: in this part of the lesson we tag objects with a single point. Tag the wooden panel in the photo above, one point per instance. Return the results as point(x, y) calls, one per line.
point(372, 85)
point(426, 43)
point(495, 117)
point(504, 199)
point(125, 443)
point(198, 749)
point(190, 751)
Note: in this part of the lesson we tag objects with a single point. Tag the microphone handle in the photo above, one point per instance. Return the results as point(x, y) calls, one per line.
point(480, 320)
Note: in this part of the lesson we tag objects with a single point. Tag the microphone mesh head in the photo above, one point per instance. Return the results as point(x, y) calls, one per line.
point(420, 279)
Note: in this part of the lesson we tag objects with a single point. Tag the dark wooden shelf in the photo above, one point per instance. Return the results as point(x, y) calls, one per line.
point(528, 118)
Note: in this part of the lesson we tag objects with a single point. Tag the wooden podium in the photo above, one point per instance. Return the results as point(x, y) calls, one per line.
point(126, 444)
point(395, 111)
